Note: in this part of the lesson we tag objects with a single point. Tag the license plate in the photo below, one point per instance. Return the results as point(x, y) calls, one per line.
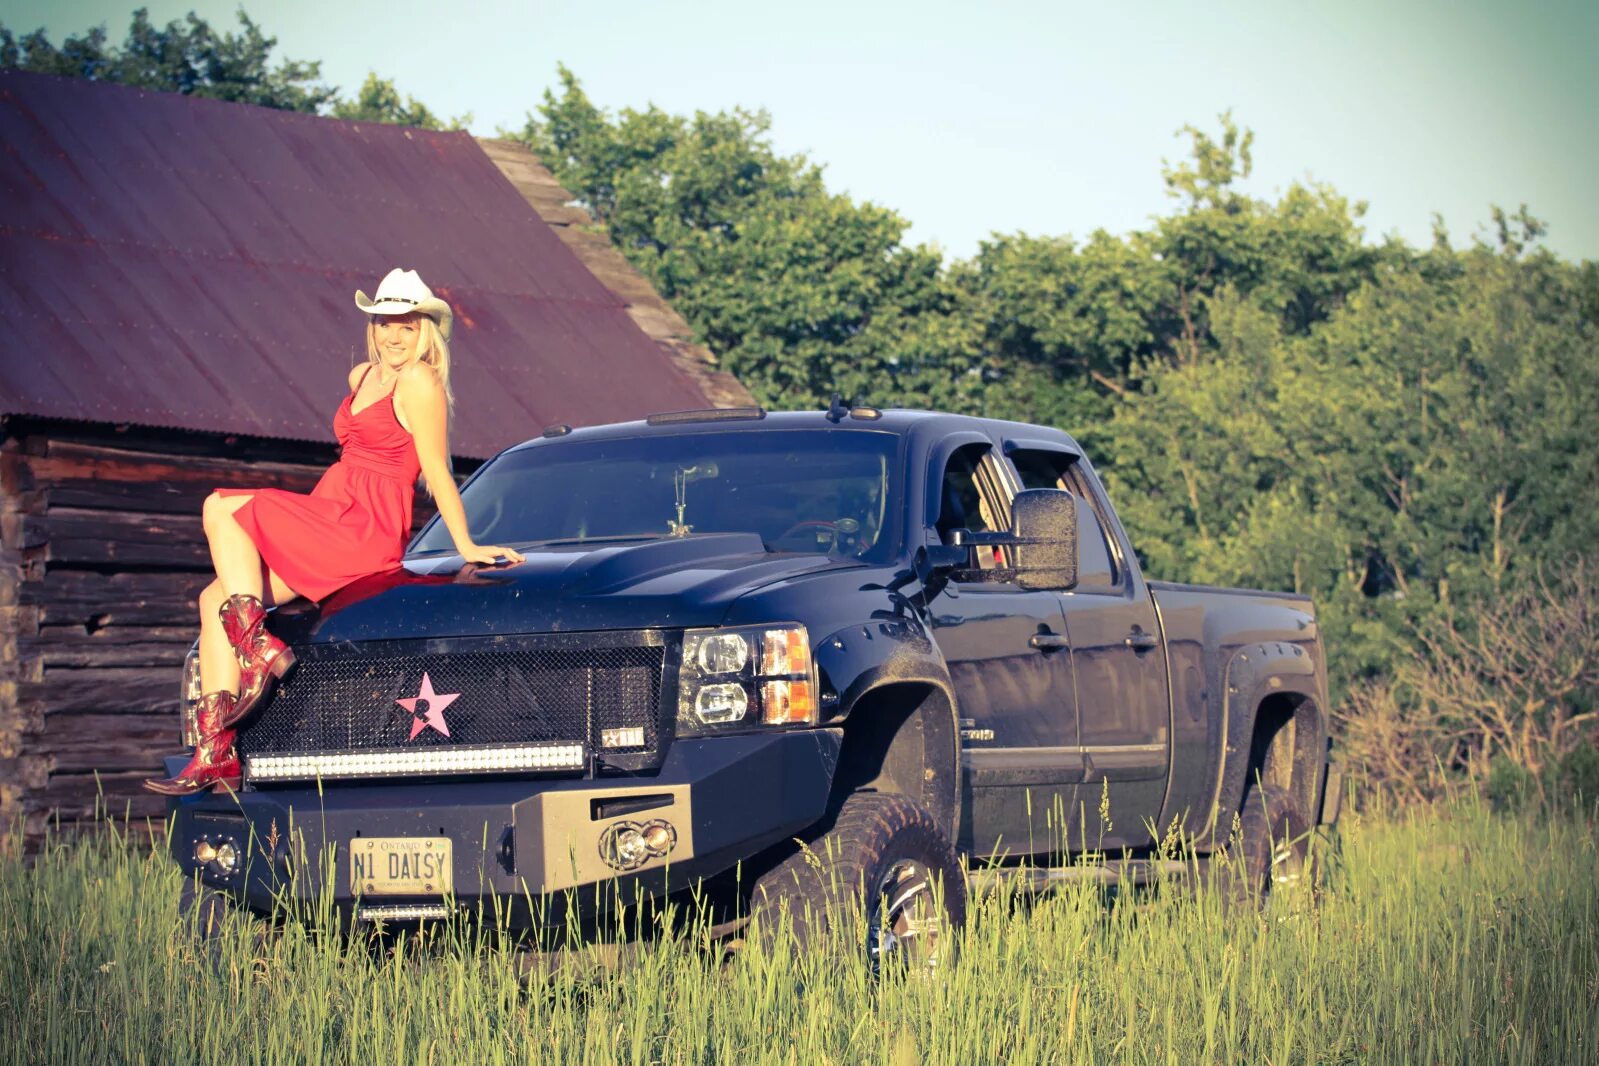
point(400, 866)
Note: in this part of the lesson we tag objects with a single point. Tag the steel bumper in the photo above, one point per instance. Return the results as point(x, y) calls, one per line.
point(518, 840)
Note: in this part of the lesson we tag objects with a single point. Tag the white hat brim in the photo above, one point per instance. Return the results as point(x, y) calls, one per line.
point(433, 307)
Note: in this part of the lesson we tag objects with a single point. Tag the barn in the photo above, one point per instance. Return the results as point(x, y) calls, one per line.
point(175, 293)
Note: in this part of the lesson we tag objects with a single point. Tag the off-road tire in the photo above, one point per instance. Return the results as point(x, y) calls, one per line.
point(889, 850)
point(203, 909)
point(1270, 853)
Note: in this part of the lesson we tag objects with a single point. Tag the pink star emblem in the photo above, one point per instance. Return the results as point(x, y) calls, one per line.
point(432, 713)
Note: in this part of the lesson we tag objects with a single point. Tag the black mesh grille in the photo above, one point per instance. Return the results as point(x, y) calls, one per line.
point(346, 698)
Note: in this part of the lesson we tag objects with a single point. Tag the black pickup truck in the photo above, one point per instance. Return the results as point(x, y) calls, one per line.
point(842, 651)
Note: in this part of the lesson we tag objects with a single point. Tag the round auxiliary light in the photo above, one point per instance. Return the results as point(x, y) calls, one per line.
point(630, 847)
point(723, 653)
point(204, 852)
point(227, 857)
point(657, 837)
point(721, 703)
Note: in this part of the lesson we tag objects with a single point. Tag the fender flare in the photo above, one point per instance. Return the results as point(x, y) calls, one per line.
point(1255, 673)
point(861, 661)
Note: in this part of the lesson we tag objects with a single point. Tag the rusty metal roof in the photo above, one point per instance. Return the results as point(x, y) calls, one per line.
point(172, 261)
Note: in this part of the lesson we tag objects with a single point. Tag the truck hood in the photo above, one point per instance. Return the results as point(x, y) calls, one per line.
point(668, 583)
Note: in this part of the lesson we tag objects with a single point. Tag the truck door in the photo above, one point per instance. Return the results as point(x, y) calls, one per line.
point(1012, 673)
point(1123, 703)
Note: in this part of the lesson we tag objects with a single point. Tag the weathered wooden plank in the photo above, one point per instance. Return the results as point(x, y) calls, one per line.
point(68, 461)
point(159, 497)
point(72, 551)
point(94, 600)
point(122, 690)
point(110, 743)
point(657, 322)
point(59, 636)
point(129, 527)
point(168, 654)
point(78, 797)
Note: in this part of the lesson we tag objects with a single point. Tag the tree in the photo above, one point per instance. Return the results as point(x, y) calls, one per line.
point(380, 101)
point(799, 290)
point(1421, 450)
point(185, 56)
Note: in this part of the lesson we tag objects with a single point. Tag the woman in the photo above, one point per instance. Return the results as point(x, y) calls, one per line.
point(270, 546)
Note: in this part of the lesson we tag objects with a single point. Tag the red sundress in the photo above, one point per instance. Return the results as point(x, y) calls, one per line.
point(355, 521)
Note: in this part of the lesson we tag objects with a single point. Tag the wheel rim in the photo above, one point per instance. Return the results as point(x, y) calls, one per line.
point(1287, 867)
point(906, 924)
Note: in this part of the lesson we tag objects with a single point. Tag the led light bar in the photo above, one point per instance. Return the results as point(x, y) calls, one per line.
point(324, 765)
point(402, 912)
point(622, 737)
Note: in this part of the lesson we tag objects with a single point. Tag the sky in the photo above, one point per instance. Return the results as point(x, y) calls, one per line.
point(1050, 118)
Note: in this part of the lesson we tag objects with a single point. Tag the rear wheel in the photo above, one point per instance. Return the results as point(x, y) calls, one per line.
point(1270, 854)
point(883, 849)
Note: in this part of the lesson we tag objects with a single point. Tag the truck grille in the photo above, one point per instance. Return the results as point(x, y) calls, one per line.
point(598, 690)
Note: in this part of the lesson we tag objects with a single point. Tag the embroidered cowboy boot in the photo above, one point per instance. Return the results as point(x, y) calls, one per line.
point(214, 763)
point(263, 658)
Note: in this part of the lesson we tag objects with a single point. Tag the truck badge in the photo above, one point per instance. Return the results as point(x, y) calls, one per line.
point(427, 708)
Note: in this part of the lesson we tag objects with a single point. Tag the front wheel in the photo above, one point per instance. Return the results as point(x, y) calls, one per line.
point(884, 850)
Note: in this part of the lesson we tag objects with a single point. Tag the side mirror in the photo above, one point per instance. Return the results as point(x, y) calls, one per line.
point(1044, 528)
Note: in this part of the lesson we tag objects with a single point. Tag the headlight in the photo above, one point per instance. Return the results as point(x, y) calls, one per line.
point(189, 697)
point(739, 679)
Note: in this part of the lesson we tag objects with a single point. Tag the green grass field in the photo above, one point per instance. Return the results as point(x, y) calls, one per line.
point(1444, 937)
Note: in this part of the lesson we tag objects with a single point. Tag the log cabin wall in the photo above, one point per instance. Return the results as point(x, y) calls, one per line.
point(102, 557)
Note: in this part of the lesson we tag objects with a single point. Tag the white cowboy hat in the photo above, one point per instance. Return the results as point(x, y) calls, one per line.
point(401, 292)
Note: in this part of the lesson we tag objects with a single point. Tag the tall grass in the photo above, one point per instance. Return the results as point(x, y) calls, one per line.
point(1454, 935)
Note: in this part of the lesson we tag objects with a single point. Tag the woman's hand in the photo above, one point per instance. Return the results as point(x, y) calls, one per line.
point(489, 554)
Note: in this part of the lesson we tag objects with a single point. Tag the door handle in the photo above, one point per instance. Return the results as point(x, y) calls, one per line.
point(1140, 641)
point(1047, 641)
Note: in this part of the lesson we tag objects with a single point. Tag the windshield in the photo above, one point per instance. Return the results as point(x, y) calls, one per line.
point(825, 491)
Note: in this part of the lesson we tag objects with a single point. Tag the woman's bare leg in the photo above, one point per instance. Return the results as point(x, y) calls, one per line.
point(233, 553)
point(219, 668)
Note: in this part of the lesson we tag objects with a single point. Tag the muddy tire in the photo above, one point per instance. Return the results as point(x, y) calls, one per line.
point(203, 910)
point(883, 848)
point(1270, 854)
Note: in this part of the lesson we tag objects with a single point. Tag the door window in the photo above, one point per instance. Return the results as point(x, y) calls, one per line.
point(971, 500)
point(1040, 469)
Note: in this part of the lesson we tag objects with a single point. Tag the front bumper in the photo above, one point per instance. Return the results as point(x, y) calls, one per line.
point(516, 841)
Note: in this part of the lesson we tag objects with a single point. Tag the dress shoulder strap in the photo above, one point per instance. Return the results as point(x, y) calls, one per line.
point(358, 384)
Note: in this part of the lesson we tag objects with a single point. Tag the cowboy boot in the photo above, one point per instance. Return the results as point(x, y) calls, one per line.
point(263, 658)
point(214, 762)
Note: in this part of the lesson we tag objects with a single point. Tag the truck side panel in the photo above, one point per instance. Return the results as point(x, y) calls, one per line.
point(1230, 652)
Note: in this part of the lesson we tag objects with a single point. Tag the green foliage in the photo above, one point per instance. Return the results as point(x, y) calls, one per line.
point(380, 101)
point(192, 58)
point(800, 291)
point(185, 56)
point(1424, 444)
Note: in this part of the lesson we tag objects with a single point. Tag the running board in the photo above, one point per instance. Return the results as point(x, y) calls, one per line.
point(1045, 878)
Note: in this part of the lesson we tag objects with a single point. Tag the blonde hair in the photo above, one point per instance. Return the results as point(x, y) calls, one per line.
point(431, 348)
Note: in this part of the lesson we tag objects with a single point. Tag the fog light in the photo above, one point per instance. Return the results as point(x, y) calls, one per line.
point(721, 703)
point(630, 847)
point(227, 857)
point(657, 838)
point(204, 852)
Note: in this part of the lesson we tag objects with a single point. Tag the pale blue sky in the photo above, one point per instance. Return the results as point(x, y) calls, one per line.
point(1050, 118)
